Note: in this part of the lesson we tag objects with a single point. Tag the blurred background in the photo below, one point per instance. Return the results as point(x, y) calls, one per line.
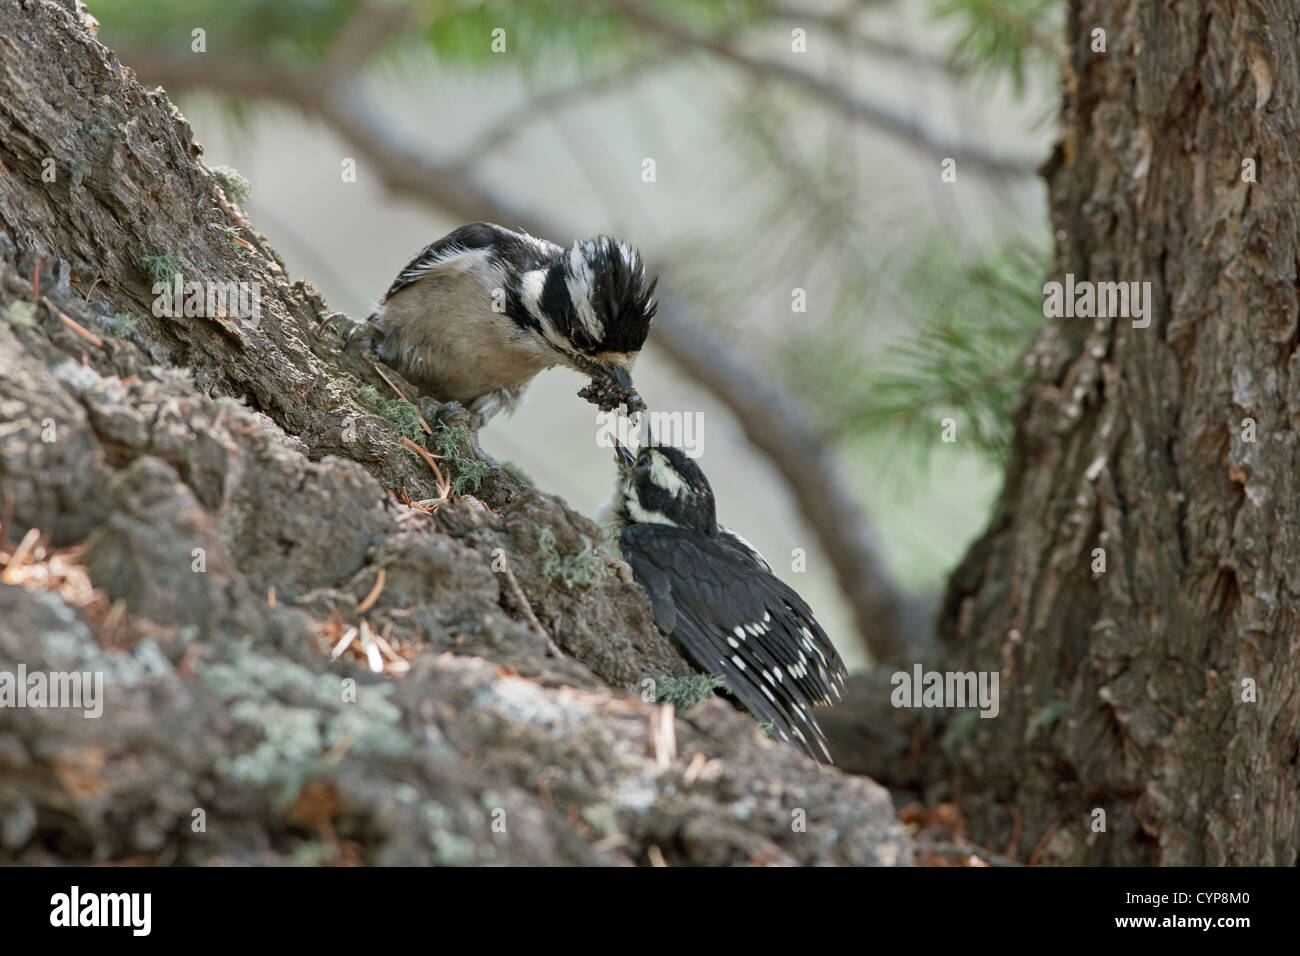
point(878, 156)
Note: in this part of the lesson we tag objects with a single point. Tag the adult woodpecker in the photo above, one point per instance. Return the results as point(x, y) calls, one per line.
point(476, 314)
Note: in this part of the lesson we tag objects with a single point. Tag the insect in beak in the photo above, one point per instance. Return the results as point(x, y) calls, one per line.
point(631, 400)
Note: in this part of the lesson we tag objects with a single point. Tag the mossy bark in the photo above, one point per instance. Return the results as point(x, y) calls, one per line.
point(234, 496)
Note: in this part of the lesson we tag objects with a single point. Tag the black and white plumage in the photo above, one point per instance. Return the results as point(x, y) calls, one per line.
point(474, 316)
point(719, 599)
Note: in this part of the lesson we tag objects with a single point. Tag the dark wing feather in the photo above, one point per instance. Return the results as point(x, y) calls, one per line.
point(658, 585)
point(741, 623)
point(795, 636)
point(529, 252)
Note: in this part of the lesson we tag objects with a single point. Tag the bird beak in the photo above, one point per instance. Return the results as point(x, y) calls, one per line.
point(623, 455)
point(623, 379)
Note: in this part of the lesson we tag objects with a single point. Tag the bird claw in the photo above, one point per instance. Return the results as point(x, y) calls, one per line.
point(454, 415)
point(360, 334)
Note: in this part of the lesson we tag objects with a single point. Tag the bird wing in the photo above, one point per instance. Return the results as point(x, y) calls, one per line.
point(459, 251)
point(741, 623)
point(746, 550)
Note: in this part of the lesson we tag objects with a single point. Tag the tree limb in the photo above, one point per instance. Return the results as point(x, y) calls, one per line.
point(513, 122)
point(857, 109)
point(371, 27)
point(840, 25)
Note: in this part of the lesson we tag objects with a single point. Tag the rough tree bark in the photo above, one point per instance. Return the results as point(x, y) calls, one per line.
point(1122, 689)
point(200, 508)
point(775, 424)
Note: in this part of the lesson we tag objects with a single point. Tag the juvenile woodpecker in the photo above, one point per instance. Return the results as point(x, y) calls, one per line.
point(474, 316)
point(718, 598)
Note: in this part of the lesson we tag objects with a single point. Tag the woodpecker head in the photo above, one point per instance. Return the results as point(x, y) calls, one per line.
point(661, 485)
point(594, 305)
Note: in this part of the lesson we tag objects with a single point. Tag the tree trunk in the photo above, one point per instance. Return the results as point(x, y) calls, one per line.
point(203, 511)
point(1127, 689)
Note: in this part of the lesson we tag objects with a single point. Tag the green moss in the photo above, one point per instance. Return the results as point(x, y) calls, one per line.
point(237, 240)
point(124, 326)
point(455, 445)
point(452, 849)
point(451, 440)
point(21, 313)
point(298, 717)
point(235, 185)
point(602, 818)
point(586, 568)
point(403, 416)
point(368, 395)
point(685, 692)
point(162, 268)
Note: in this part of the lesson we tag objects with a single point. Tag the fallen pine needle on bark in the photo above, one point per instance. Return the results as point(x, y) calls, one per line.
point(611, 842)
point(528, 609)
point(402, 396)
point(663, 736)
point(694, 769)
point(369, 600)
point(20, 553)
point(374, 659)
point(32, 565)
point(397, 664)
point(946, 853)
point(444, 484)
point(81, 331)
point(348, 637)
point(364, 643)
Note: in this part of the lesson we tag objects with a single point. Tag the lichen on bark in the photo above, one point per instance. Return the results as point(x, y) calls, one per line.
point(233, 510)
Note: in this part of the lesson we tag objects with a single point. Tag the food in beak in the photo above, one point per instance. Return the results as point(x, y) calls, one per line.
point(611, 387)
